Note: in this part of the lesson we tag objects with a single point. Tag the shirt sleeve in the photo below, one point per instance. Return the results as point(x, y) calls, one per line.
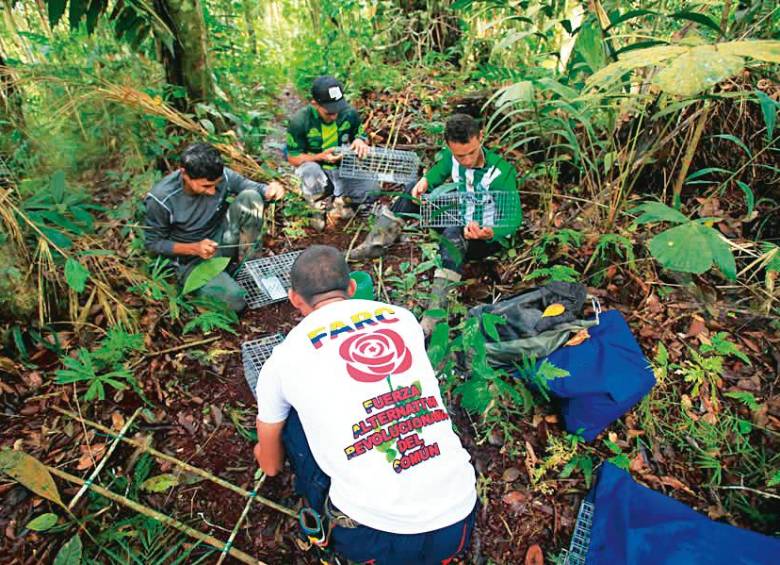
point(507, 182)
point(272, 407)
point(296, 138)
point(357, 131)
point(237, 183)
point(441, 170)
point(157, 227)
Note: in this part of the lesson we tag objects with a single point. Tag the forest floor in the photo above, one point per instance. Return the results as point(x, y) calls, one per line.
point(203, 406)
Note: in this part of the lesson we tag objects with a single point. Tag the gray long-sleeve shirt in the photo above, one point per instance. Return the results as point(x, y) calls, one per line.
point(173, 216)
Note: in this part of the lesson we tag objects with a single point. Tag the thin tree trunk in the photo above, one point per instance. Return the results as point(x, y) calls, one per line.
point(188, 65)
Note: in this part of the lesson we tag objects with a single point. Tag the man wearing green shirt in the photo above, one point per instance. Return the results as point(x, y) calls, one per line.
point(474, 169)
point(314, 134)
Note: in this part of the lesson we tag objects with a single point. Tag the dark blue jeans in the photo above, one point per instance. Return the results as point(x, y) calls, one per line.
point(363, 544)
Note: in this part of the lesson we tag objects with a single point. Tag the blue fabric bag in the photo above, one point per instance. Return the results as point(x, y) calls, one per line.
point(636, 525)
point(608, 375)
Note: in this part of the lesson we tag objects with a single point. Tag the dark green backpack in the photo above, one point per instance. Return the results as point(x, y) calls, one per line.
point(527, 331)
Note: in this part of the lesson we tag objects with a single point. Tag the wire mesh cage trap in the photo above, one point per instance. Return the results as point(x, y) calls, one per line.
point(580, 539)
point(458, 208)
point(383, 165)
point(254, 354)
point(266, 280)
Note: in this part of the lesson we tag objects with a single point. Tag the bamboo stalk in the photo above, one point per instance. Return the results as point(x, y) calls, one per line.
point(186, 466)
point(102, 464)
point(159, 516)
point(689, 154)
point(233, 534)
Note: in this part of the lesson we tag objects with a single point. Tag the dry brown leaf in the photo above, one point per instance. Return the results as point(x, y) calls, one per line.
point(696, 327)
point(578, 338)
point(534, 556)
point(511, 475)
point(117, 420)
point(515, 500)
point(676, 484)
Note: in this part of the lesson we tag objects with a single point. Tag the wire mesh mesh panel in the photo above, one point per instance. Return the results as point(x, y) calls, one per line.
point(266, 280)
point(458, 208)
point(580, 539)
point(383, 165)
point(254, 354)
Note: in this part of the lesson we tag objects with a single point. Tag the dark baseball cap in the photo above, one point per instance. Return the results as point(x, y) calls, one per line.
point(328, 93)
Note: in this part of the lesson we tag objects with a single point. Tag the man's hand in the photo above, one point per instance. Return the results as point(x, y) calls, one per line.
point(420, 188)
point(205, 249)
point(274, 191)
point(329, 155)
point(361, 148)
point(474, 231)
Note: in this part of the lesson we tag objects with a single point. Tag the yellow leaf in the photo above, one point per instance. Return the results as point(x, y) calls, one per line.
point(553, 310)
point(30, 473)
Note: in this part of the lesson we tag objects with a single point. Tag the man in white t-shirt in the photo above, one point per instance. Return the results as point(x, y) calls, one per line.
point(351, 397)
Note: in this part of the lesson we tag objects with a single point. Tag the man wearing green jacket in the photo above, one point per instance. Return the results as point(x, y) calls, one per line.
point(474, 169)
point(315, 133)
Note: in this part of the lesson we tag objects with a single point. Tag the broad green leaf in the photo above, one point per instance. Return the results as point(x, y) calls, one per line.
point(437, 349)
point(763, 50)
point(701, 68)
point(56, 237)
point(590, 45)
point(684, 248)
point(721, 253)
point(208, 125)
point(489, 322)
point(30, 473)
point(475, 395)
point(769, 111)
point(76, 275)
point(204, 272)
point(160, 483)
point(70, 553)
point(522, 91)
point(57, 186)
point(775, 480)
point(42, 522)
point(658, 212)
point(632, 60)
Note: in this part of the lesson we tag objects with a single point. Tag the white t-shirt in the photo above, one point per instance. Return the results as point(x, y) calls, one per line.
point(357, 373)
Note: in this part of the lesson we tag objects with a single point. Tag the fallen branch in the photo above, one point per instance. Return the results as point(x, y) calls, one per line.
point(241, 518)
point(160, 517)
point(186, 466)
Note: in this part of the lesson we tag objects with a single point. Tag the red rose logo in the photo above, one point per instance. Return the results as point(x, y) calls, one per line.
point(374, 356)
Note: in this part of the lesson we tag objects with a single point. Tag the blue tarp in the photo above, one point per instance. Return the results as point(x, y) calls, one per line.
point(608, 375)
point(636, 525)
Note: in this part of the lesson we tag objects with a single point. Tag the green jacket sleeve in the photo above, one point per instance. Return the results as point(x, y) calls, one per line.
point(296, 137)
point(441, 170)
point(356, 130)
point(507, 182)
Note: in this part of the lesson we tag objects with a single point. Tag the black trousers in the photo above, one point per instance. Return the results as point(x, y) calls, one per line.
point(454, 249)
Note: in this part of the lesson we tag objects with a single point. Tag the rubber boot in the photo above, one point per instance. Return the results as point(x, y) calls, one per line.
point(317, 204)
point(443, 281)
point(385, 232)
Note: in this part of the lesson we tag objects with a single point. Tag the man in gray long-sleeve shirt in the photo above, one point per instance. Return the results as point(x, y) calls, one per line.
point(189, 220)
